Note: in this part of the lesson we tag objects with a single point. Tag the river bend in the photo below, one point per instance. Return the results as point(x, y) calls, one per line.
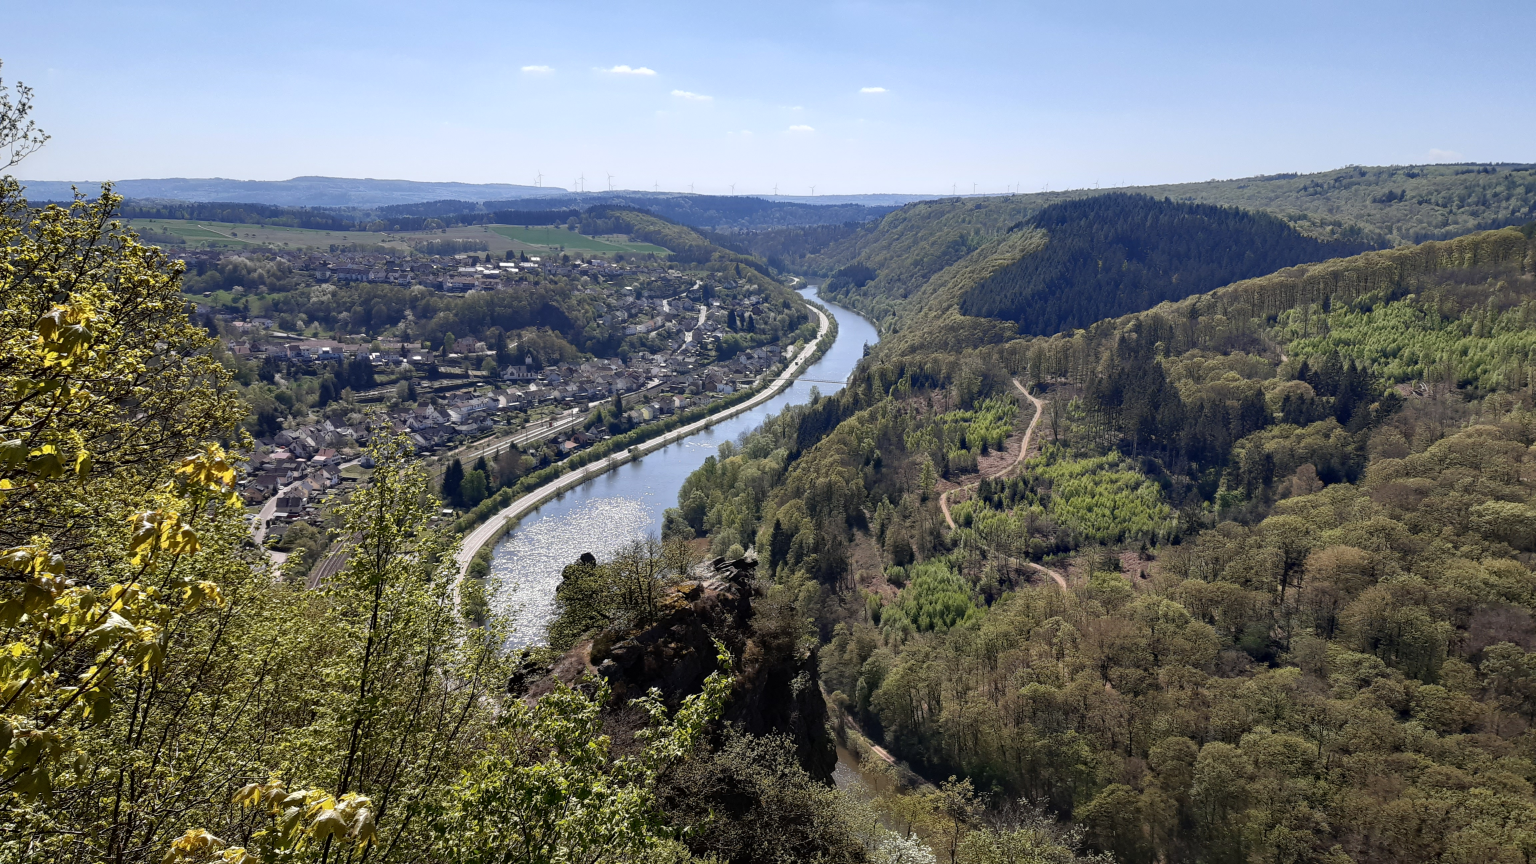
point(627, 503)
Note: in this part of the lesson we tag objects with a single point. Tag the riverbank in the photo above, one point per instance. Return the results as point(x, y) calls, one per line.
point(492, 529)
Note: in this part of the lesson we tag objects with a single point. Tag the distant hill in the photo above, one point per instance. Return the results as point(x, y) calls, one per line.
point(297, 192)
point(1118, 253)
point(907, 250)
point(725, 213)
point(338, 202)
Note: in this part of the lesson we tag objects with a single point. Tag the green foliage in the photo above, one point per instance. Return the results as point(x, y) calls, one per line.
point(622, 594)
point(108, 494)
point(929, 255)
point(1345, 594)
point(1102, 500)
point(685, 244)
point(751, 802)
point(935, 598)
point(550, 789)
point(305, 544)
point(168, 696)
point(475, 487)
point(448, 246)
point(1437, 337)
point(955, 439)
point(1118, 253)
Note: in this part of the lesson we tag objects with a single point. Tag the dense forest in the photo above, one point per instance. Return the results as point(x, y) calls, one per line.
point(1375, 207)
point(1111, 254)
point(1262, 591)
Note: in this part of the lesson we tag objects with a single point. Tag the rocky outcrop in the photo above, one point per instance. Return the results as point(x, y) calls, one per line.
point(777, 686)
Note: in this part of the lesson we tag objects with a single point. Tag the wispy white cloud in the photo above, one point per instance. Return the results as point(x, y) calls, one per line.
point(538, 70)
point(625, 70)
point(871, 89)
point(801, 128)
point(692, 97)
point(1437, 155)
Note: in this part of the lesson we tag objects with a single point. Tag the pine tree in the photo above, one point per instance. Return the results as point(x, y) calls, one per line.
point(453, 482)
point(327, 392)
point(778, 546)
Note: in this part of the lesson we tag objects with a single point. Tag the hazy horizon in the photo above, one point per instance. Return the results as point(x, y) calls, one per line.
point(849, 98)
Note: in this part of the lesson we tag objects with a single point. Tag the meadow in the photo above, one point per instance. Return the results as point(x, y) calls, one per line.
point(498, 239)
point(550, 237)
point(235, 235)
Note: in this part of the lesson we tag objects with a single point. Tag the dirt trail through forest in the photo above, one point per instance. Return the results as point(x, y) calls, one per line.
point(1029, 434)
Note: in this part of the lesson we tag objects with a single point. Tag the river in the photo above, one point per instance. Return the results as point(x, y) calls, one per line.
point(627, 503)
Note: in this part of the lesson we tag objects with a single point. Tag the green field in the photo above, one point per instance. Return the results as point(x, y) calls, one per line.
point(498, 239)
point(234, 235)
point(555, 238)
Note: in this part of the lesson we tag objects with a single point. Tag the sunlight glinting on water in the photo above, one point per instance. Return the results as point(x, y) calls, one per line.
point(530, 560)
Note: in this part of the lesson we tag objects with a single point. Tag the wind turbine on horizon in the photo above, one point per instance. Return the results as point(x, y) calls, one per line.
point(610, 182)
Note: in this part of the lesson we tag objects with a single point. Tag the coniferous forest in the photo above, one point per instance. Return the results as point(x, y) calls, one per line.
point(1117, 253)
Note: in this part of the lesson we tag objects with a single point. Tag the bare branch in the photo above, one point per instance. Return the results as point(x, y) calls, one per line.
point(19, 137)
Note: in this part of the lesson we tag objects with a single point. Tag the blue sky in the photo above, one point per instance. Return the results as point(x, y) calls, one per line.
point(849, 97)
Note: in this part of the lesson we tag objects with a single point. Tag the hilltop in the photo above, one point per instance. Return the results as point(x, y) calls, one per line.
point(1119, 253)
point(900, 255)
point(352, 204)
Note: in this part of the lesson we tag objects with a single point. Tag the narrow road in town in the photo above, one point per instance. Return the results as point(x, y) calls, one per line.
point(703, 311)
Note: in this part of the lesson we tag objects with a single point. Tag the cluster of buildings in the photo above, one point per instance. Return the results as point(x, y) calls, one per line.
point(456, 274)
point(300, 465)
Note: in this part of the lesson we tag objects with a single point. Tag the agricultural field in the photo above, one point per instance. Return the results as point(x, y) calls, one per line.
point(229, 235)
point(497, 239)
point(546, 238)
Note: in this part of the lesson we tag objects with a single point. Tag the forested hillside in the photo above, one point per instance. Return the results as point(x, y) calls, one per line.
point(1115, 253)
point(1376, 207)
point(1262, 591)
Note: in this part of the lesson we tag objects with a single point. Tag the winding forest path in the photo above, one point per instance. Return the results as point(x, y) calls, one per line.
point(1029, 434)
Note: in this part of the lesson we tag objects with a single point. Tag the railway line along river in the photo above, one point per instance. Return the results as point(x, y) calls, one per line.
point(627, 503)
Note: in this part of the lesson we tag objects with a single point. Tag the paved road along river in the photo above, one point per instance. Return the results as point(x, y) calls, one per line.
point(626, 503)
